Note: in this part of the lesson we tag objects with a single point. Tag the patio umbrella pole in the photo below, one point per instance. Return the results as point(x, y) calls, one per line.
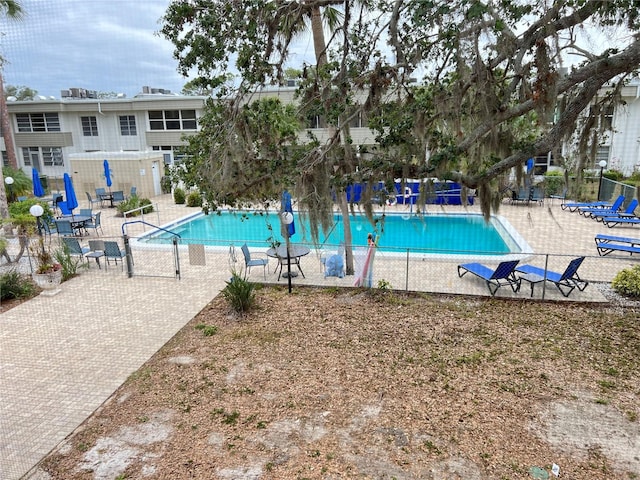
point(288, 262)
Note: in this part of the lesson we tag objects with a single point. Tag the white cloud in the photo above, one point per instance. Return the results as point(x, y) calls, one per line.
point(103, 45)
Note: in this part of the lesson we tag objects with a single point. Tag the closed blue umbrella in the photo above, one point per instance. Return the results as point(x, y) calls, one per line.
point(286, 206)
point(107, 172)
point(70, 193)
point(38, 191)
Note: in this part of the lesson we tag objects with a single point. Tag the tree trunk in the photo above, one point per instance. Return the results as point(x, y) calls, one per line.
point(7, 132)
point(8, 142)
point(319, 45)
point(348, 237)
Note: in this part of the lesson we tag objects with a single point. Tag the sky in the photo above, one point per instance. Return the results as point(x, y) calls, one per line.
point(102, 45)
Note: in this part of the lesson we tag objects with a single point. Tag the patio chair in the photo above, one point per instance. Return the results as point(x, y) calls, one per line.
point(86, 212)
point(96, 250)
point(74, 247)
point(95, 223)
point(561, 196)
point(537, 195)
point(504, 274)
point(48, 228)
point(566, 281)
point(626, 213)
point(254, 262)
point(101, 193)
point(64, 228)
point(613, 209)
point(92, 200)
point(112, 252)
point(118, 196)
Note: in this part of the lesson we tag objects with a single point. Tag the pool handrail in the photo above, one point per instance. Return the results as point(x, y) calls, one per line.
point(150, 225)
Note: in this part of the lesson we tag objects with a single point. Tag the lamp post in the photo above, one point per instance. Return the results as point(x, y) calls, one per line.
point(602, 164)
point(37, 211)
point(287, 219)
point(9, 181)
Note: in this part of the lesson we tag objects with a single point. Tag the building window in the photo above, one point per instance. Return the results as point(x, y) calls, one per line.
point(89, 126)
point(38, 122)
point(602, 154)
point(172, 120)
point(5, 158)
point(51, 156)
point(128, 125)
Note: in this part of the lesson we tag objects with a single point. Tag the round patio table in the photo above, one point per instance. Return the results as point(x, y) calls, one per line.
point(295, 253)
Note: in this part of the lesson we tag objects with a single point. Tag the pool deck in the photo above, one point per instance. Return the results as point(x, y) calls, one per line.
point(63, 356)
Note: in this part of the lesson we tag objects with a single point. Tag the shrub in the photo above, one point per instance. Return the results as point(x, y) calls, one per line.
point(15, 285)
point(240, 294)
point(194, 199)
point(133, 203)
point(627, 282)
point(553, 183)
point(179, 196)
point(165, 184)
point(69, 264)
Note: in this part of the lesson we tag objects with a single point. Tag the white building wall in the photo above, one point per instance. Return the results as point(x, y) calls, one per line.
point(624, 154)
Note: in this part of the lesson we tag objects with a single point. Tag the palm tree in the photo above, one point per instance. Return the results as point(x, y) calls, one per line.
point(13, 10)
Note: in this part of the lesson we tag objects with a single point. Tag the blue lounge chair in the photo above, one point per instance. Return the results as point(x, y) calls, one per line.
point(613, 209)
point(626, 213)
point(504, 274)
point(603, 238)
point(566, 281)
point(573, 206)
point(620, 220)
point(607, 244)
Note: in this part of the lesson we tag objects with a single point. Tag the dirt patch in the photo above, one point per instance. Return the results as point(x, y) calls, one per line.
point(341, 384)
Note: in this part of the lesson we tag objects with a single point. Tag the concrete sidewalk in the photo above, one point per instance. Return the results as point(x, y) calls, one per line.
point(61, 357)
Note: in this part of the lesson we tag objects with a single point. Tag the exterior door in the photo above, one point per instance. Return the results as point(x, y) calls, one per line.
point(155, 170)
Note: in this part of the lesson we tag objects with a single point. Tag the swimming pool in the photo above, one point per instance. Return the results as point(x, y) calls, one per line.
point(454, 233)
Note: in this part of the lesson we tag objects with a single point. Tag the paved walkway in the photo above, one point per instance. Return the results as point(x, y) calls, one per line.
point(61, 357)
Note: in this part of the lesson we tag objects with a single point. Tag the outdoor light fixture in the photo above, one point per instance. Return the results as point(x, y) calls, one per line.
point(37, 211)
point(602, 164)
point(9, 181)
point(287, 218)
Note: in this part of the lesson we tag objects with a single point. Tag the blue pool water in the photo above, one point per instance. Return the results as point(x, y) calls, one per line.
point(429, 233)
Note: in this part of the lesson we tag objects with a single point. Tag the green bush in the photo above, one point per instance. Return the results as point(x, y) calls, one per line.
point(553, 183)
point(179, 196)
point(15, 285)
point(132, 203)
point(627, 282)
point(240, 294)
point(194, 199)
point(612, 174)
